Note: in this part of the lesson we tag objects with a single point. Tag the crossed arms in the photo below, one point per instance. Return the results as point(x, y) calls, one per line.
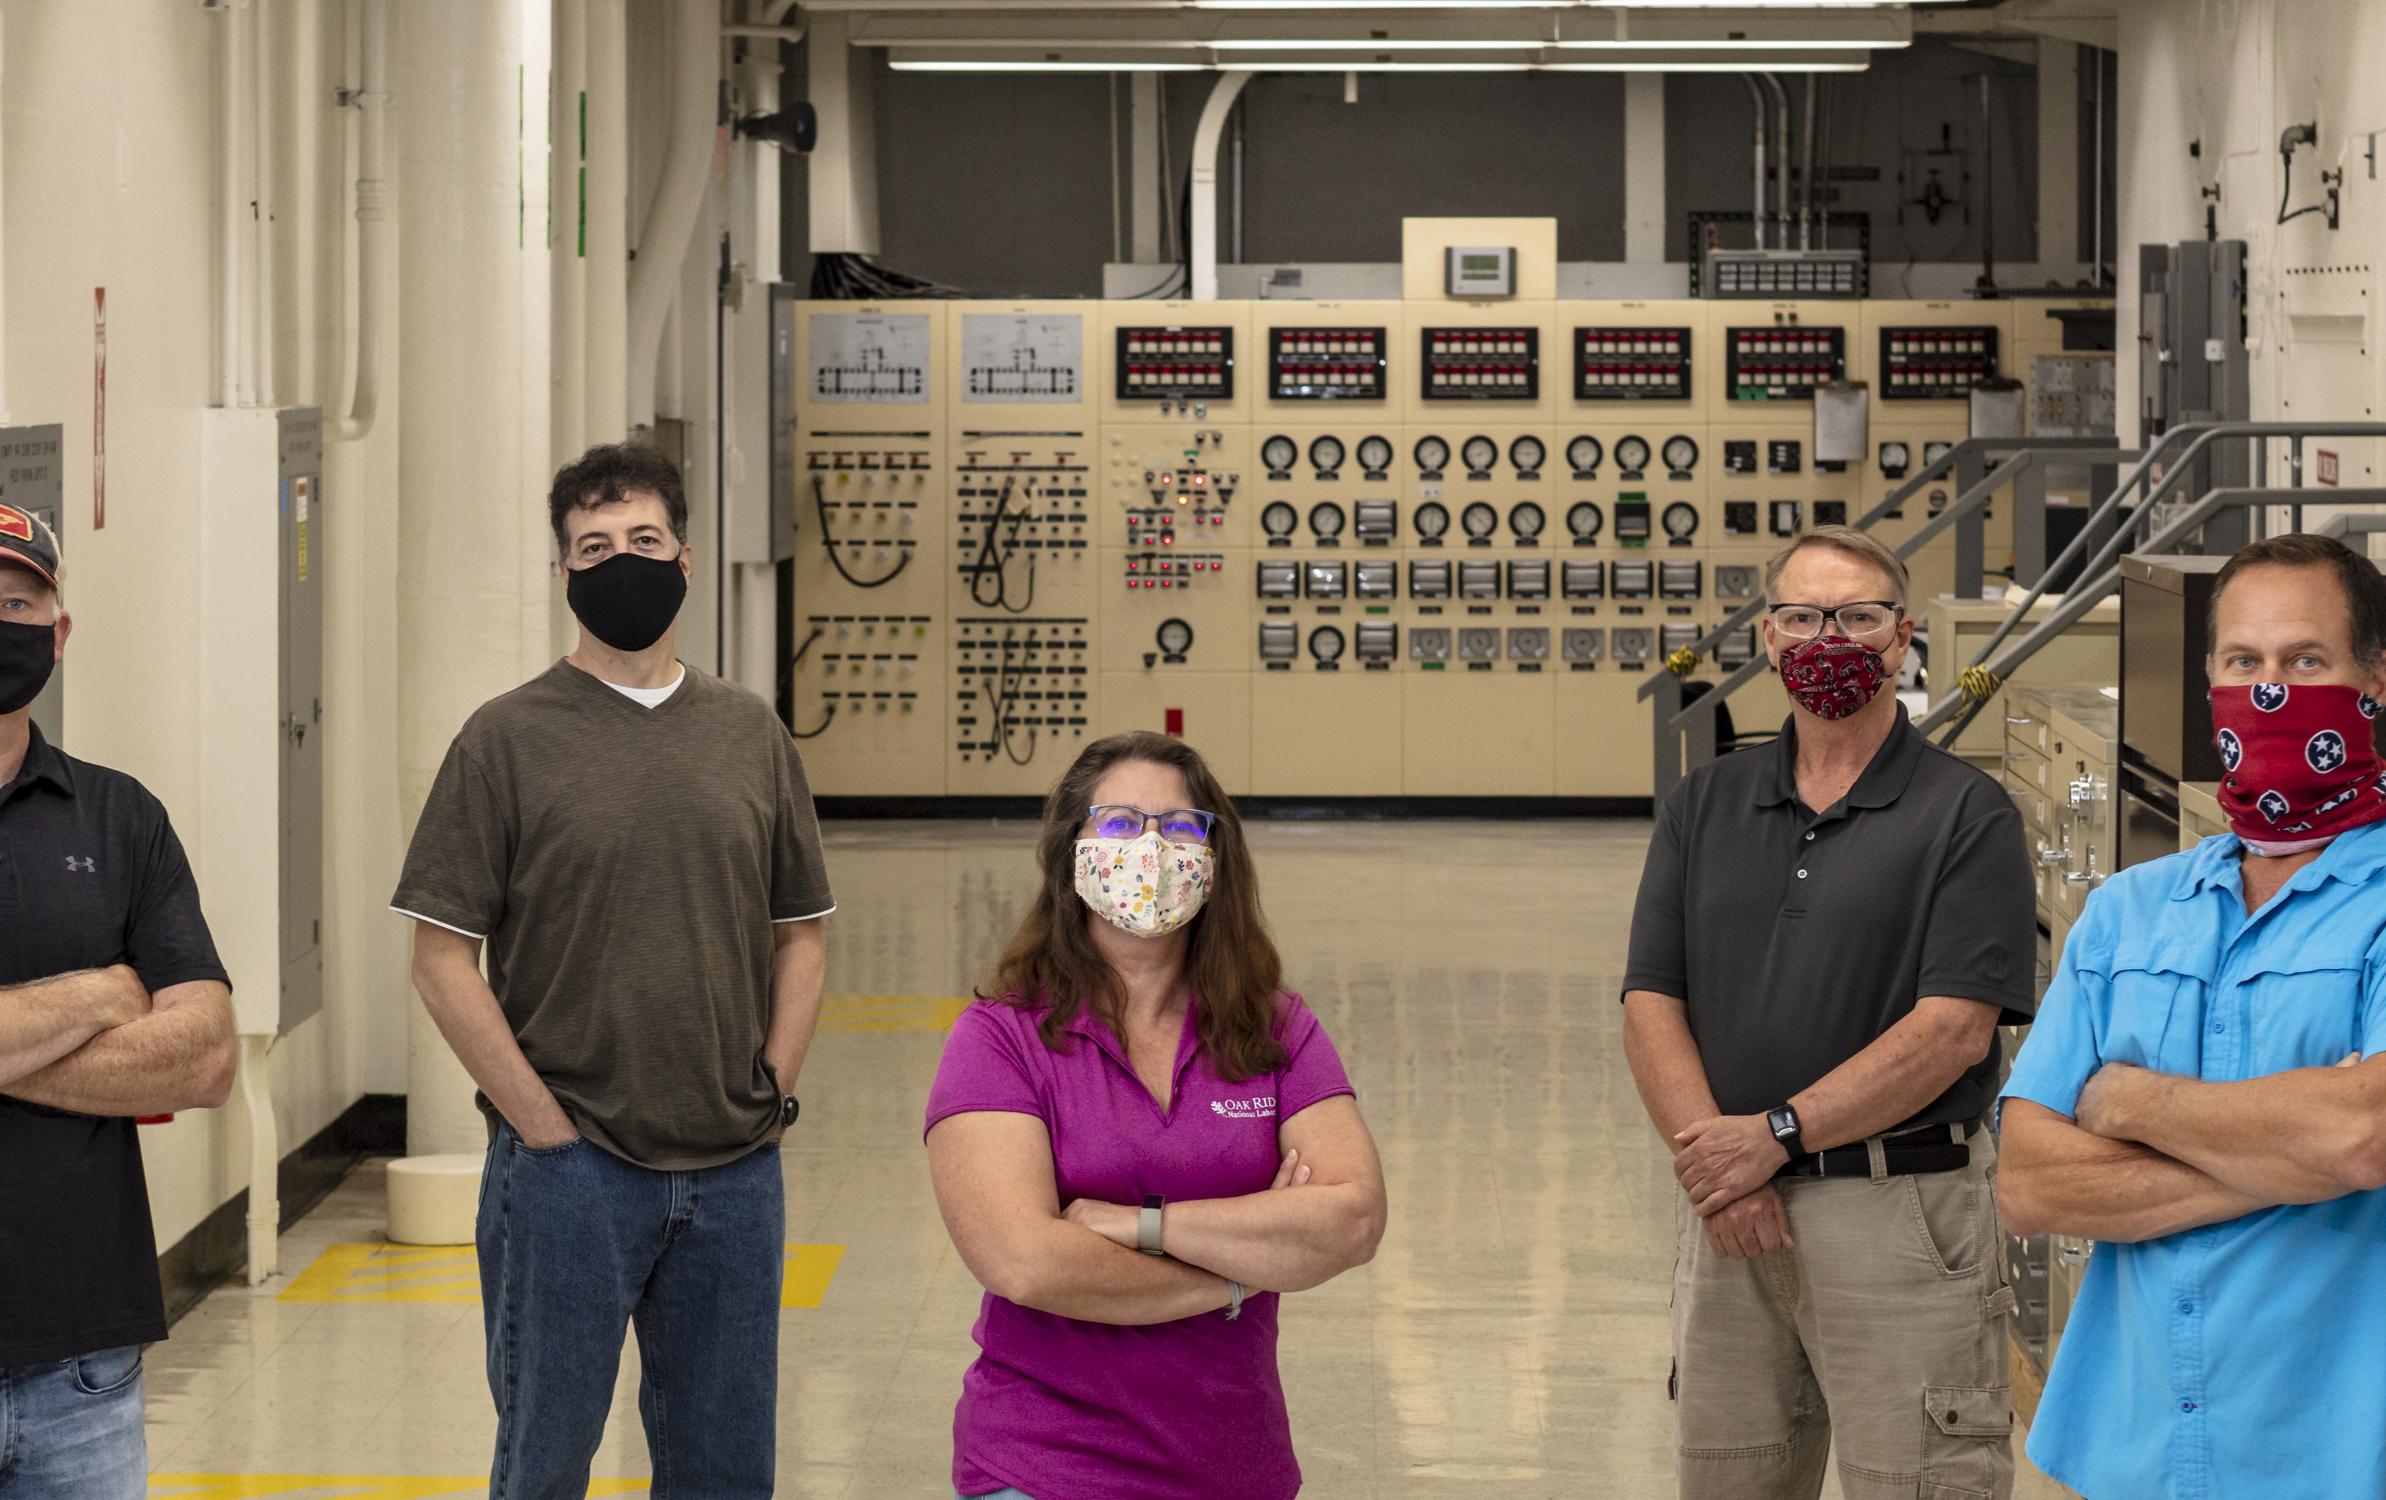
point(995, 1186)
point(97, 1042)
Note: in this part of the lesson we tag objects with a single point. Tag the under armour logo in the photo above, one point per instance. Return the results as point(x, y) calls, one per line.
point(84, 866)
point(2272, 806)
point(2232, 750)
point(2270, 697)
point(2326, 752)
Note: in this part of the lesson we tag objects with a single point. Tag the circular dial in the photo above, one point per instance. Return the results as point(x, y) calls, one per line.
point(1896, 456)
point(1375, 454)
point(1584, 518)
point(1433, 519)
point(1279, 518)
point(1584, 453)
point(1632, 454)
point(1432, 455)
point(1527, 454)
point(1176, 637)
point(1325, 455)
point(1681, 453)
point(1526, 519)
point(1325, 518)
point(1278, 453)
point(1680, 520)
point(1480, 520)
point(1479, 454)
point(1326, 643)
point(1933, 452)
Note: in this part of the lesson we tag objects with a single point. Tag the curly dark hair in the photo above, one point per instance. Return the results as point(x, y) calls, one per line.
point(609, 474)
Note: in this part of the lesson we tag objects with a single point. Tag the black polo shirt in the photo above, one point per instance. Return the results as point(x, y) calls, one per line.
point(90, 875)
point(1795, 940)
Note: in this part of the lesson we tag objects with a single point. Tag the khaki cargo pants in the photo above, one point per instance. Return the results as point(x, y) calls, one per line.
point(1883, 1329)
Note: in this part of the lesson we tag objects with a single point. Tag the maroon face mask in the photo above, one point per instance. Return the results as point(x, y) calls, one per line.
point(1831, 676)
point(2299, 766)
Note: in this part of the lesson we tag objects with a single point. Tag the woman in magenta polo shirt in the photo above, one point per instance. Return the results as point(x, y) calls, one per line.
point(1139, 1140)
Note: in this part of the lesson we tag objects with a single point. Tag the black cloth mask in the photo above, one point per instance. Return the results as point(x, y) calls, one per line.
point(28, 654)
point(627, 601)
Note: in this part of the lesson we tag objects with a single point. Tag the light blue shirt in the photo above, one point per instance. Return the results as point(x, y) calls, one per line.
point(2245, 1359)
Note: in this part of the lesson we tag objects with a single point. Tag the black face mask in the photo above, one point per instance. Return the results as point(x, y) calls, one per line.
point(627, 601)
point(28, 654)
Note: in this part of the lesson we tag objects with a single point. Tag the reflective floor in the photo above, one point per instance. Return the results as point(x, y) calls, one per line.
point(1510, 1339)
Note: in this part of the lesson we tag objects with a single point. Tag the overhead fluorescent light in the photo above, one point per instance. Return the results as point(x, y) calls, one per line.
point(902, 63)
point(1769, 65)
point(1747, 44)
point(1362, 44)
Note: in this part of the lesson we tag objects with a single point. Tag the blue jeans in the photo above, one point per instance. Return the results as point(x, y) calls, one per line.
point(575, 1245)
point(71, 1429)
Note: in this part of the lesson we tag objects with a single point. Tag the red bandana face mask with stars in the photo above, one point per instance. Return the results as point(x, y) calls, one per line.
point(1831, 676)
point(2299, 765)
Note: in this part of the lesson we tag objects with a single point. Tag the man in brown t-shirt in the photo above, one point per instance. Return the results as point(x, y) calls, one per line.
point(634, 842)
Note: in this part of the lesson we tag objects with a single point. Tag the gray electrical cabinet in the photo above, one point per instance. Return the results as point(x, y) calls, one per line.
point(301, 573)
point(33, 479)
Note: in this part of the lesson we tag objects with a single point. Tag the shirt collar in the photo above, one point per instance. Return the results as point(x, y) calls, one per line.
point(1884, 779)
point(2355, 856)
point(44, 762)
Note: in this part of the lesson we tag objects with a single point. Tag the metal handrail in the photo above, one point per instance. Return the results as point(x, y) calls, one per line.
point(2107, 579)
point(1936, 469)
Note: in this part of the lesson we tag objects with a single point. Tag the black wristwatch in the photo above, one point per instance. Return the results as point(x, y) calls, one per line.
point(1784, 1123)
point(788, 1110)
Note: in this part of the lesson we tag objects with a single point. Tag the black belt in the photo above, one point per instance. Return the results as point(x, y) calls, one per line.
point(1907, 1158)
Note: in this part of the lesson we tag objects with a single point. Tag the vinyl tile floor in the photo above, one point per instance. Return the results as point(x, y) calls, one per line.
point(1510, 1339)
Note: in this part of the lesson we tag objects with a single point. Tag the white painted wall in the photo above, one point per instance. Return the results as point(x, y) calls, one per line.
point(2233, 77)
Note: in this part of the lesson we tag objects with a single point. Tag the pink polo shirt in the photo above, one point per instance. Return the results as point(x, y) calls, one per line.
point(1190, 1410)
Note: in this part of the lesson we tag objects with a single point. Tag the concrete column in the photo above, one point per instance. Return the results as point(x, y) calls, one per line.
point(843, 167)
point(1144, 187)
point(469, 576)
point(1644, 167)
point(2058, 152)
point(607, 275)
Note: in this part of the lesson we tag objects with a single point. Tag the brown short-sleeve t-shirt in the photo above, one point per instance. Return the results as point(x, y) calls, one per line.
point(625, 865)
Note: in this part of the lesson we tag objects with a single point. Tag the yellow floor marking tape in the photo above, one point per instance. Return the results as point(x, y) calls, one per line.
point(451, 1277)
point(345, 1486)
point(920, 1014)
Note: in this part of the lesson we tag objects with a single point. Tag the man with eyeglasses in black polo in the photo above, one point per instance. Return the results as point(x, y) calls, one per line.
point(1830, 928)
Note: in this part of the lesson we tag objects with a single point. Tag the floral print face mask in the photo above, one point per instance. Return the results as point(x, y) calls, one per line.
point(1146, 886)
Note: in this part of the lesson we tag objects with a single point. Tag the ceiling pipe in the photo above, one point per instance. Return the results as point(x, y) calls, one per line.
point(362, 398)
point(1756, 98)
point(1781, 156)
point(671, 219)
point(1203, 231)
point(1806, 171)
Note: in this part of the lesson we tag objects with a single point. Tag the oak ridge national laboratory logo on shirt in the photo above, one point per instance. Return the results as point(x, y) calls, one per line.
point(1263, 1107)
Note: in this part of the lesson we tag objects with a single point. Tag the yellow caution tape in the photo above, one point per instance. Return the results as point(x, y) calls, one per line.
point(1682, 662)
point(1979, 684)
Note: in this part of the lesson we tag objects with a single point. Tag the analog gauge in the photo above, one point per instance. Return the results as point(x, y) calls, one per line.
point(1681, 454)
point(1278, 453)
point(1584, 518)
point(1325, 518)
point(1480, 453)
point(1326, 643)
point(1527, 454)
point(1375, 454)
point(1279, 518)
point(1432, 455)
point(1896, 458)
point(1325, 455)
point(1176, 637)
point(1433, 520)
point(1480, 520)
point(1933, 452)
point(1632, 454)
point(1526, 519)
point(1680, 521)
point(1584, 453)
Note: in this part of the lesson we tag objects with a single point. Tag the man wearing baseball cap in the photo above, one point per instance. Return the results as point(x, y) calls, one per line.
point(112, 1005)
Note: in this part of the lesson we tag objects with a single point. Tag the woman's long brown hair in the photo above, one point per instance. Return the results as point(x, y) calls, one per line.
point(1231, 961)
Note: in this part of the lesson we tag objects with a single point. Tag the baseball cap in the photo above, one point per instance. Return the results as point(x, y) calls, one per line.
point(26, 538)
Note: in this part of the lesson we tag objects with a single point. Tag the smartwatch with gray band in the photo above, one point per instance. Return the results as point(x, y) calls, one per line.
point(1147, 1228)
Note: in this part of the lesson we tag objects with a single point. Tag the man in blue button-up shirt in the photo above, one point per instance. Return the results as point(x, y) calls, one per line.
point(2204, 1095)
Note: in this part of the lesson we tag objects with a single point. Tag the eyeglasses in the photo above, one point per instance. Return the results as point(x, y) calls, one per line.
point(1180, 825)
point(1864, 617)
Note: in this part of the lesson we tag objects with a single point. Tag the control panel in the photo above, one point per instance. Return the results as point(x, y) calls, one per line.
point(1782, 363)
point(1632, 364)
point(1174, 364)
point(1326, 364)
point(1480, 364)
point(1935, 364)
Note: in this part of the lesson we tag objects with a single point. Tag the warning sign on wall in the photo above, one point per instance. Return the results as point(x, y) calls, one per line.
point(2327, 467)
